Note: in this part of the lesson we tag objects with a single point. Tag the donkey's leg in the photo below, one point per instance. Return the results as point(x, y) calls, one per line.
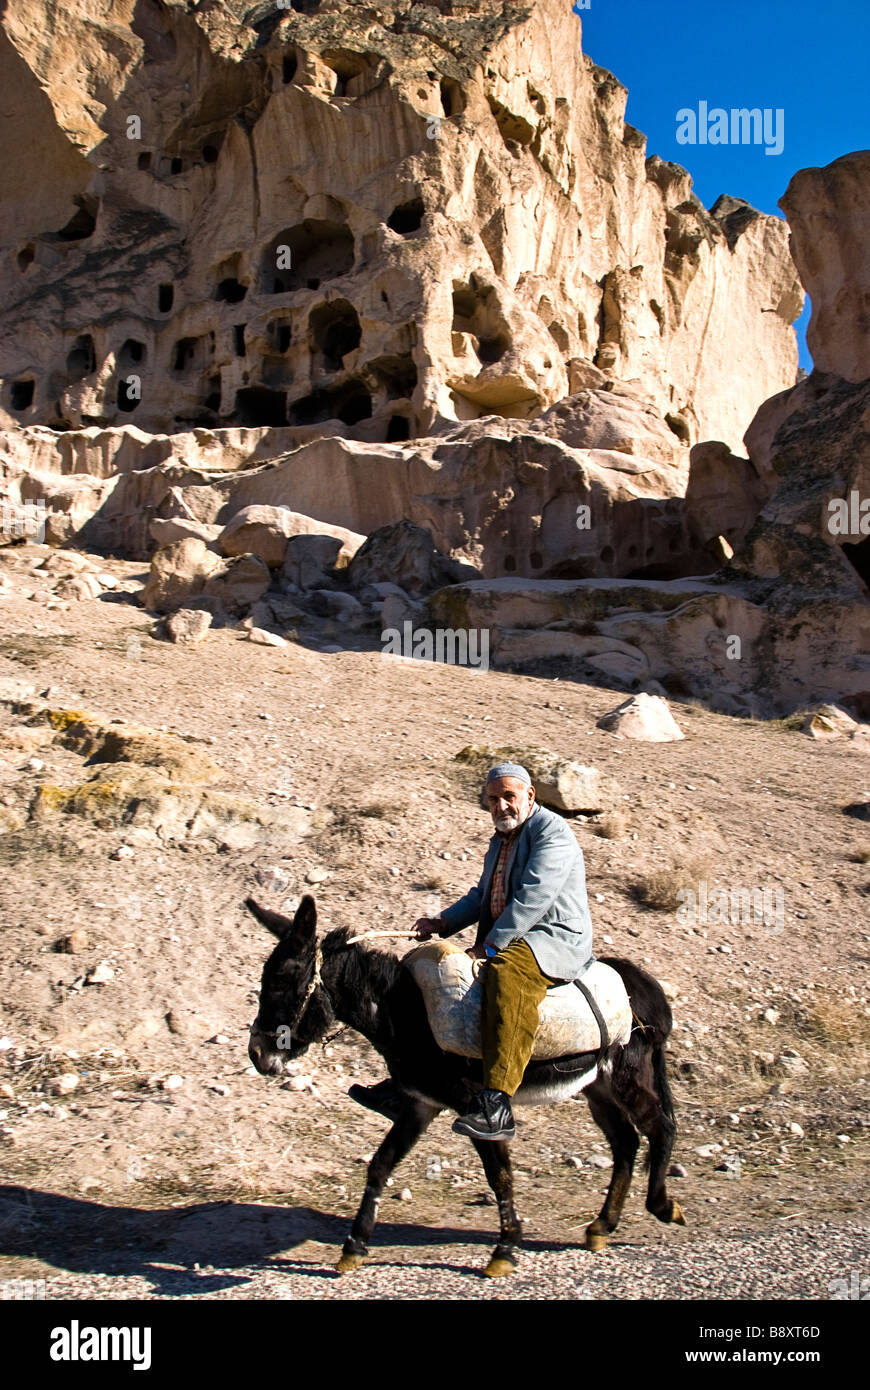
point(495, 1157)
point(624, 1143)
point(413, 1121)
point(642, 1090)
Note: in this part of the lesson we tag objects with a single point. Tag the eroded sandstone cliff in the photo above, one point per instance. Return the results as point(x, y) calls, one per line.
point(362, 219)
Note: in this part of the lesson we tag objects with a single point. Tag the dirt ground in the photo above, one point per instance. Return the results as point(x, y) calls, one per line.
point(166, 1115)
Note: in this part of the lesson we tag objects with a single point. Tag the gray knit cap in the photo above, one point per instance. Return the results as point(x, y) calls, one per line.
point(514, 770)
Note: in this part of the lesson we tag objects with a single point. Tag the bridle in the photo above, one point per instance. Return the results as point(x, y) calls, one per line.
point(316, 979)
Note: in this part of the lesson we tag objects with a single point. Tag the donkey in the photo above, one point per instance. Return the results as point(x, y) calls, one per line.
point(307, 986)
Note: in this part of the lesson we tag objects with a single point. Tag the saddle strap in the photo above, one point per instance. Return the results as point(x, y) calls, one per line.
point(596, 1014)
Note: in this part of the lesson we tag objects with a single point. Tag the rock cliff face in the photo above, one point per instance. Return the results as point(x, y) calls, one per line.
point(359, 219)
point(829, 214)
point(787, 620)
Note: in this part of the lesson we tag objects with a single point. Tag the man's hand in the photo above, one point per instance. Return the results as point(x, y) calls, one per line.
point(476, 952)
point(425, 927)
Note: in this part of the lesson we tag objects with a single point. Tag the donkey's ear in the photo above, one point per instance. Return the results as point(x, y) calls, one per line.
point(305, 923)
point(279, 926)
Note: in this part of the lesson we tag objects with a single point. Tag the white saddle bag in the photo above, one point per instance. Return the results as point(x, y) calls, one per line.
point(453, 991)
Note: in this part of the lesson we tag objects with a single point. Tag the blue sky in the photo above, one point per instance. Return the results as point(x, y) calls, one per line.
point(812, 60)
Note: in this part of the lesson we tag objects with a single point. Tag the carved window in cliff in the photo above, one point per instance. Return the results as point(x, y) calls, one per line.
point(228, 287)
point(81, 359)
point(353, 74)
point(280, 334)
point(396, 373)
point(452, 97)
point(256, 406)
point(82, 223)
point(349, 404)
point(333, 331)
point(192, 353)
point(398, 428)
point(21, 394)
point(239, 339)
point(407, 217)
point(476, 311)
point(289, 65)
point(306, 255)
point(165, 298)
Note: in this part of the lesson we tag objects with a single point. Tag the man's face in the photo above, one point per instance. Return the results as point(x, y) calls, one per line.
point(509, 802)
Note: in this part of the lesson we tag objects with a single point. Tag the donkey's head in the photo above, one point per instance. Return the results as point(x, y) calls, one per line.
point(295, 1009)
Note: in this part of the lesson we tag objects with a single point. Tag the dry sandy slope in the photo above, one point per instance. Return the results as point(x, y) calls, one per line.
point(351, 733)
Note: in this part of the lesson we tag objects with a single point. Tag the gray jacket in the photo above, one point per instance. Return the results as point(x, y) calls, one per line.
point(545, 884)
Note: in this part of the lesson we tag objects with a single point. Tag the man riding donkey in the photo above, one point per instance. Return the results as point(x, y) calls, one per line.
point(534, 931)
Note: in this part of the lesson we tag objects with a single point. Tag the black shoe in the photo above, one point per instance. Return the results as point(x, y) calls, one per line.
point(490, 1117)
point(385, 1099)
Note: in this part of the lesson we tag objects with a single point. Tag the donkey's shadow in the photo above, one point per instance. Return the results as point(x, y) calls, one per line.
point(73, 1235)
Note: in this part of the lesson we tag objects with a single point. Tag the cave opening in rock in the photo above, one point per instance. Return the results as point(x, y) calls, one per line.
point(210, 152)
point(212, 400)
point(858, 555)
point(129, 393)
point(396, 373)
point(25, 256)
point(231, 291)
point(165, 298)
point(176, 165)
point(347, 66)
point(239, 339)
point(82, 223)
point(280, 334)
point(398, 428)
point(407, 217)
point(476, 311)
point(21, 394)
point(349, 404)
point(191, 352)
point(144, 161)
point(333, 331)
point(307, 254)
point(305, 6)
point(256, 406)
point(81, 360)
point(452, 100)
point(289, 65)
point(131, 351)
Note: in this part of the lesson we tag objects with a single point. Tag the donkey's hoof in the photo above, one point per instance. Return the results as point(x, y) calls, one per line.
point(499, 1266)
point(596, 1240)
point(677, 1216)
point(348, 1263)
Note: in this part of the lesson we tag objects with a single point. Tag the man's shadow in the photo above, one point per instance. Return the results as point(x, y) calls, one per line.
point(74, 1235)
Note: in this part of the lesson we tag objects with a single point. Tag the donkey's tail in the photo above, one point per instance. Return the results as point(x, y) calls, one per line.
point(653, 1023)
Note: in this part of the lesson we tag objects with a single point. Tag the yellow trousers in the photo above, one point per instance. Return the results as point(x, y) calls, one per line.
point(513, 987)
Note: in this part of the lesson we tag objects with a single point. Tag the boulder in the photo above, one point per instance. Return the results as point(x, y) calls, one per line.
point(178, 571)
point(165, 530)
point(187, 626)
point(238, 583)
point(406, 555)
point(77, 587)
point(309, 559)
point(644, 717)
point(829, 722)
point(344, 608)
point(258, 530)
point(559, 782)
